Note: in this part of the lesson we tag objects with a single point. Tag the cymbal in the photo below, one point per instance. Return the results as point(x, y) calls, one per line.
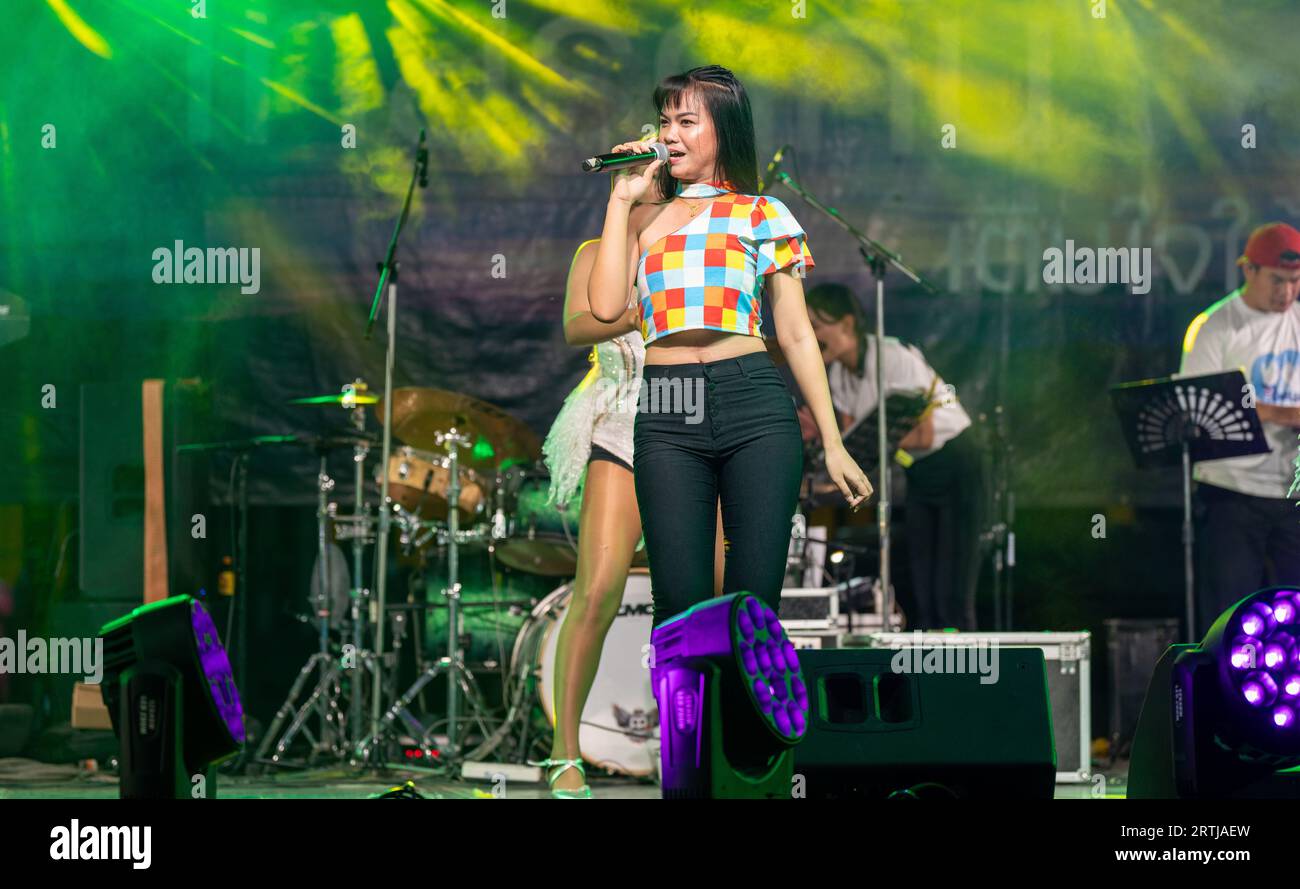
point(421, 414)
point(349, 399)
point(327, 442)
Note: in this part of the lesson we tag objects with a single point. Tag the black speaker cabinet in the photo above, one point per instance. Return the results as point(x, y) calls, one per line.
point(112, 490)
point(878, 733)
point(1132, 649)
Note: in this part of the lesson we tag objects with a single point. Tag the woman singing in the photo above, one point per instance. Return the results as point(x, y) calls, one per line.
point(715, 419)
point(592, 435)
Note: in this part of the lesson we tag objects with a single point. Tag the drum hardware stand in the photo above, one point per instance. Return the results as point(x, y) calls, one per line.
point(415, 532)
point(323, 701)
point(877, 257)
point(500, 528)
point(459, 677)
point(358, 595)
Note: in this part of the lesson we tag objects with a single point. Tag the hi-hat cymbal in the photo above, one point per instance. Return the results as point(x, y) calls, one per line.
point(348, 399)
point(421, 414)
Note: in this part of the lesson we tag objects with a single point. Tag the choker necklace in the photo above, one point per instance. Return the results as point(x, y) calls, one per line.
point(698, 190)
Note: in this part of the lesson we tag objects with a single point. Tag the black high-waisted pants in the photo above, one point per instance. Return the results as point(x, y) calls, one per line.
point(723, 429)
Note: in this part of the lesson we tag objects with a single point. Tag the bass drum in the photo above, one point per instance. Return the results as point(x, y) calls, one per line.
point(619, 728)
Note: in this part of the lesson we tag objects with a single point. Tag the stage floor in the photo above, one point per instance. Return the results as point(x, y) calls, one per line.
point(27, 779)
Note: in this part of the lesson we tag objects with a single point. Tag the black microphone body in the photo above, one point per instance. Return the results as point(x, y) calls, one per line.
point(657, 151)
point(422, 160)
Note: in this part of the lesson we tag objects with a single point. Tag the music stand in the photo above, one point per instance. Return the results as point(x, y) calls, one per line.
point(1188, 419)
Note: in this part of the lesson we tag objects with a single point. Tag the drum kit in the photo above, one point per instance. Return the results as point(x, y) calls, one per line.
point(450, 448)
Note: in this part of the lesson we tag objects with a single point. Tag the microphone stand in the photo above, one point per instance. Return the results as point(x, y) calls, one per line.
point(877, 257)
point(388, 280)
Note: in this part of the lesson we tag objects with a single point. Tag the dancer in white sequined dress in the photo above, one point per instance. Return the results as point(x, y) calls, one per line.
point(592, 437)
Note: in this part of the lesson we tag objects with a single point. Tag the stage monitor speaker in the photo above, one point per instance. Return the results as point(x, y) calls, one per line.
point(877, 733)
point(112, 490)
point(1132, 649)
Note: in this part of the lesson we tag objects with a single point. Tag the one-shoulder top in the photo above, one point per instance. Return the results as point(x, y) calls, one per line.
point(709, 273)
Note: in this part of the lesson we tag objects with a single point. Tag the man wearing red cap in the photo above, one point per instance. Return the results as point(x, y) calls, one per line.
point(1248, 526)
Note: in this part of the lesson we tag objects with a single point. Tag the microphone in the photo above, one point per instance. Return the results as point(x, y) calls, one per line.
point(770, 173)
point(422, 161)
point(656, 151)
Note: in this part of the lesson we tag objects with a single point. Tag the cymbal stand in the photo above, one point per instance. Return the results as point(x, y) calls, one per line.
point(323, 702)
point(359, 595)
point(388, 285)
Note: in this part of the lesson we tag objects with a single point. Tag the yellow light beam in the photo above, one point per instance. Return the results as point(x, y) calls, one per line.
point(300, 100)
point(77, 27)
point(356, 74)
point(548, 75)
point(254, 38)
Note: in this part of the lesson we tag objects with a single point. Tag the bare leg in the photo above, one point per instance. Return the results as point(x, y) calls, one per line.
point(719, 557)
point(608, 531)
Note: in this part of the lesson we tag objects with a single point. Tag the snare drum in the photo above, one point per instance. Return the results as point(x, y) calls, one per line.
point(418, 480)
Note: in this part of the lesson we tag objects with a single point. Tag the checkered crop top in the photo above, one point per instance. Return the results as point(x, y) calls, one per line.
point(709, 273)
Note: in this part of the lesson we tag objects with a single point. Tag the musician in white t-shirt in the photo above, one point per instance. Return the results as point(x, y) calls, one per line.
point(945, 478)
point(1248, 526)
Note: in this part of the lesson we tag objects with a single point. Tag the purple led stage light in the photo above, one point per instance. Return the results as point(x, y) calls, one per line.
point(734, 645)
point(1286, 607)
point(1259, 689)
point(166, 658)
point(216, 669)
point(1260, 669)
point(1245, 653)
point(1227, 722)
point(1257, 619)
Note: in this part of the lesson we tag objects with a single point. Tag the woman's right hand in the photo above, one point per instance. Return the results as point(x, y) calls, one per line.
point(632, 183)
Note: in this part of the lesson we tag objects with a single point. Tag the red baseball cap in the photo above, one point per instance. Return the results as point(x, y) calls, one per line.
point(1276, 245)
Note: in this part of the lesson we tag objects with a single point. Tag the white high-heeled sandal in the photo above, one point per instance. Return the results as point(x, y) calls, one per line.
point(555, 768)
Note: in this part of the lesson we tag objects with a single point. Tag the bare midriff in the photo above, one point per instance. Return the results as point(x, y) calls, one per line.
point(701, 347)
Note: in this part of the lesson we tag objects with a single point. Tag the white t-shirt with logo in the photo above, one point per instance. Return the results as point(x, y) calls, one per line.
point(906, 373)
point(1266, 346)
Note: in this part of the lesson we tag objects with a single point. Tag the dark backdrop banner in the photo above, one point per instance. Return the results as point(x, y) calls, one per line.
point(969, 137)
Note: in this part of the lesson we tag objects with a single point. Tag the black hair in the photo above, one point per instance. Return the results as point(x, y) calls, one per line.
point(833, 302)
point(725, 99)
